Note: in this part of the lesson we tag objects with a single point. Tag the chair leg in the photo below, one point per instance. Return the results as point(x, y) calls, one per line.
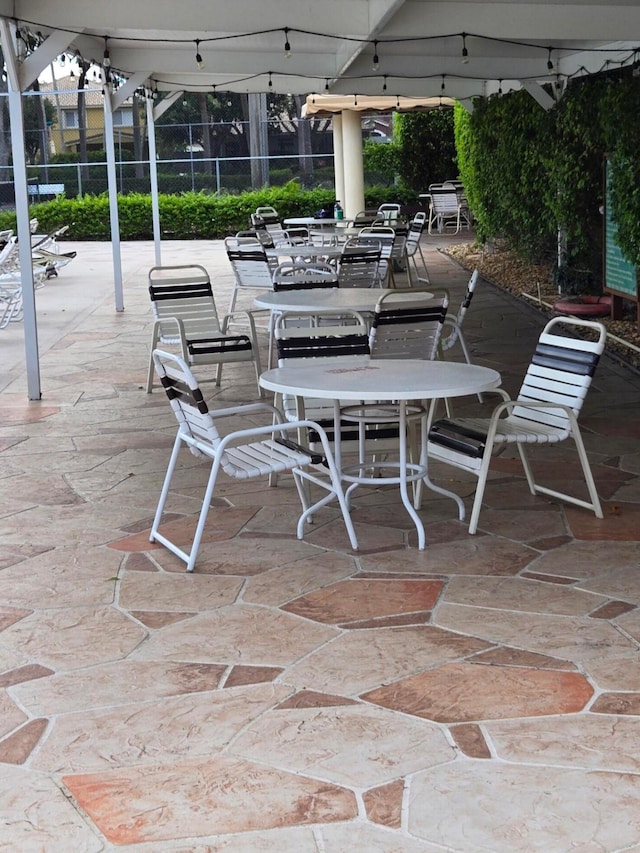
point(165, 488)
point(151, 368)
point(594, 503)
point(155, 536)
point(483, 473)
point(586, 470)
point(467, 355)
point(150, 374)
point(206, 503)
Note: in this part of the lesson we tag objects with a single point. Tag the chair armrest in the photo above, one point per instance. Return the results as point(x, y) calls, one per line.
point(159, 325)
point(249, 408)
point(247, 315)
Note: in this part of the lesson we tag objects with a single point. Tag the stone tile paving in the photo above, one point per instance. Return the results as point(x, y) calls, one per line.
point(480, 696)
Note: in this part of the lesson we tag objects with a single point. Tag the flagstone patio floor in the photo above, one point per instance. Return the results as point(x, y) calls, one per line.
point(480, 696)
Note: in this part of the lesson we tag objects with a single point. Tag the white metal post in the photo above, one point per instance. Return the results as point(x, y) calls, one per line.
point(113, 199)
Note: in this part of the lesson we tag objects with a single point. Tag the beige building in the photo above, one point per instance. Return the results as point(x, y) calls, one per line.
point(64, 134)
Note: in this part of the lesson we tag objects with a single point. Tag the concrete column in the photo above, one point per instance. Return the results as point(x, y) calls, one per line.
point(353, 166)
point(338, 157)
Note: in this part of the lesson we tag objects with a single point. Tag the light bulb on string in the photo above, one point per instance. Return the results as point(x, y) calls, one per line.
point(326, 85)
point(442, 86)
point(384, 83)
point(376, 58)
point(465, 52)
point(287, 46)
point(355, 100)
point(549, 61)
point(199, 59)
point(106, 58)
point(270, 82)
point(499, 87)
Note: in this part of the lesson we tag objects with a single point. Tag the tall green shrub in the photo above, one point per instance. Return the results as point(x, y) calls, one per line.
point(511, 135)
point(426, 148)
point(620, 115)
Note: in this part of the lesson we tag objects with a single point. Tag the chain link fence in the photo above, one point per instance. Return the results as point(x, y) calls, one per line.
point(68, 156)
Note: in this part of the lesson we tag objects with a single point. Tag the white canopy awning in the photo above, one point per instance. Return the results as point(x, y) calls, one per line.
point(416, 48)
point(324, 105)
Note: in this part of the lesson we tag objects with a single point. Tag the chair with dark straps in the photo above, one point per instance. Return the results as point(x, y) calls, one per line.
point(359, 264)
point(413, 250)
point(248, 453)
point(407, 324)
point(185, 316)
point(453, 325)
point(544, 412)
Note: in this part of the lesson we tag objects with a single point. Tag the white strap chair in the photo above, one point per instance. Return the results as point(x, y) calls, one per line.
point(544, 412)
point(249, 453)
point(185, 316)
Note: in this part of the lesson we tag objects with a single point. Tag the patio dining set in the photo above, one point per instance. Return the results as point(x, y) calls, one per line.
point(360, 368)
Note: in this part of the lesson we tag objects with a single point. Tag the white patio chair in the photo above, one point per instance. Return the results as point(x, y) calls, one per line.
point(359, 264)
point(544, 412)
point(250, 265)
point(11, 306)
point(444, 209)
point(247, 453)
point(453, 325)
point(413, 250)
point(185, 316)
point(390, 213)
point(407, 323)
point(296, 275)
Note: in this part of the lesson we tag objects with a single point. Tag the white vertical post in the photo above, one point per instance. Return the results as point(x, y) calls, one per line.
point(113, 198)
point(153, 177)
point(16, 119)
point(353, 165)
point(338, 157)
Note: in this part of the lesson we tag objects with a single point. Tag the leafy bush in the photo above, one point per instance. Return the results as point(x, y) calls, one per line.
point(426, 148)
point(533, 175)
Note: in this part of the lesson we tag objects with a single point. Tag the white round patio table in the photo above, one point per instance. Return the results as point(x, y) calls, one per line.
point(308, 251)
point(322, 299)
point(377, 380)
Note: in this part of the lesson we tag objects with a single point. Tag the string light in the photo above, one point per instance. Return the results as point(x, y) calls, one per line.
point(355, 100)
point(376, 58)
point(384, 84)
point(630, 60)
point(199, 59)
point(442, 86)
point(500, 87)
point(270, 82)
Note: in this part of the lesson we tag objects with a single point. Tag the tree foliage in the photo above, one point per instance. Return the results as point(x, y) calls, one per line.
point(426, 148)
point(532, 175)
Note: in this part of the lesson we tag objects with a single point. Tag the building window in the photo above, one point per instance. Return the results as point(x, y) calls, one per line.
point(70, 118)
point(123, 117)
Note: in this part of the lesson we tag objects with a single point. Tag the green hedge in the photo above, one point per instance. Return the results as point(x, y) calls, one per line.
point(532, 174)
point(188, 215)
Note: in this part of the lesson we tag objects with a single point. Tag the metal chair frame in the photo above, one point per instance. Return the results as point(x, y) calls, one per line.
point(544, 412)
point(249, 453)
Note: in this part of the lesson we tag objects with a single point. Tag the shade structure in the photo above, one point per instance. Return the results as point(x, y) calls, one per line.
point(326, 105)
point(417, 48)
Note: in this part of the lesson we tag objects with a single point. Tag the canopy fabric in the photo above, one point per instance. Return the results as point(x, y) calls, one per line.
point(326, 105)
point(416, 48)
